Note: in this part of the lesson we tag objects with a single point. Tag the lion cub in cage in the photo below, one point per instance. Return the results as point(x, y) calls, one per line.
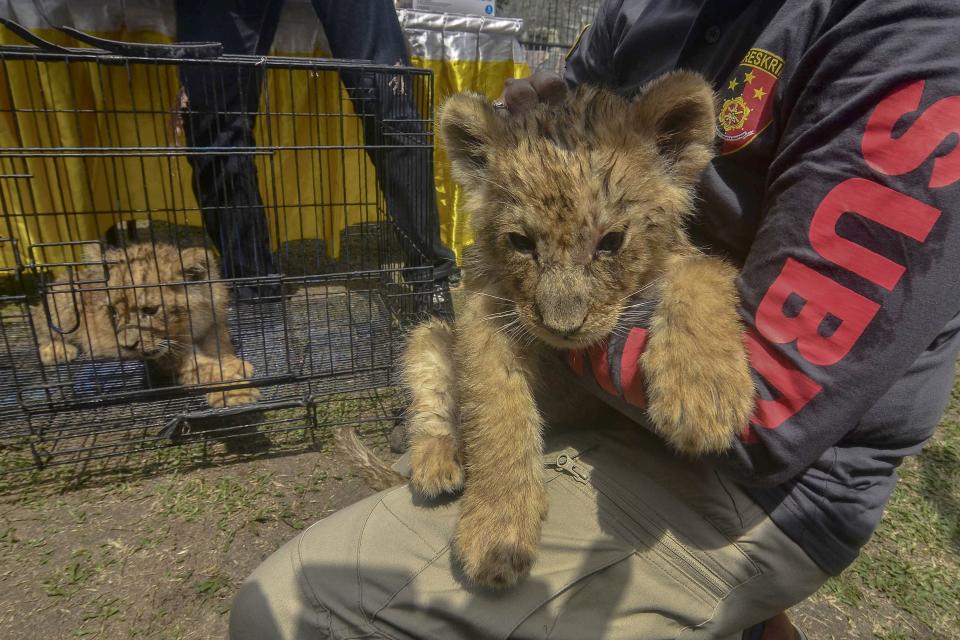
point(579, 213)
point(113, 307)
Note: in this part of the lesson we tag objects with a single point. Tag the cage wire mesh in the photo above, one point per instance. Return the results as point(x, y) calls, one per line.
point(550, 28)
point(206, 248)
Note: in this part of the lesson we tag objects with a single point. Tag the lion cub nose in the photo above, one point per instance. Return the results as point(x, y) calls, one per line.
point(129, 339)
point(562, 301)
point(560, 321)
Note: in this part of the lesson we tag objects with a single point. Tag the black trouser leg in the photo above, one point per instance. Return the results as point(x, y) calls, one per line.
point(223, 102)
point(369, 30)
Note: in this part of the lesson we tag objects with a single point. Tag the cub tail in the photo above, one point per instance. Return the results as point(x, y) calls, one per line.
point(374, 471)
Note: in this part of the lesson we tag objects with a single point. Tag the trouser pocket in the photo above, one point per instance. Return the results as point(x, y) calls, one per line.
point(619, 557)
point(662, 528)
point(437, 603)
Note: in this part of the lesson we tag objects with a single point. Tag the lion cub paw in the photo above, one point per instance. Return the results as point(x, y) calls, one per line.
point(496, 543)
point(232, 397)
point(437, 466)
point(697, 400)
point(58, 352)
point(231, 370)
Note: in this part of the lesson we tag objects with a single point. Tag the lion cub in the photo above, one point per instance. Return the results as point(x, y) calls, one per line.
point(115, 307)
point(578, 212)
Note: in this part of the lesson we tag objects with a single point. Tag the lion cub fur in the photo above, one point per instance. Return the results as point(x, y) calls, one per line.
point(113, 306)
point(545, 191)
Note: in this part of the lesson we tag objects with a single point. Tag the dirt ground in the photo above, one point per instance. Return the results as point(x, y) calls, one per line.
point(158, 557)
point(161, 556)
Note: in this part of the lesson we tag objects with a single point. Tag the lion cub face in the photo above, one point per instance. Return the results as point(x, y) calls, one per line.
point(154, 309)
point(576, 207)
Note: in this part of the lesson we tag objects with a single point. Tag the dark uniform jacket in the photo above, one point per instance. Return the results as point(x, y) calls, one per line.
point(837, 189)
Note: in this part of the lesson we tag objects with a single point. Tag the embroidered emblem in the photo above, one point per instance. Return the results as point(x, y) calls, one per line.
point(734, 114)
point(747, 107)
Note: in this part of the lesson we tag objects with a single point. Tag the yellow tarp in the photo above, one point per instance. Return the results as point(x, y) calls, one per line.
point(307, 193)
point(45, 106)
point(465, 53)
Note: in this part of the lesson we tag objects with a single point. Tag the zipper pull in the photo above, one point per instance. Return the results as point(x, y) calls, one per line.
point(567, 464)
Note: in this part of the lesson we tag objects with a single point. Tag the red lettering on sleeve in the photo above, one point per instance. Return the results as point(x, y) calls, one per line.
point(747, 435)
point(896, 156)
point(820, 296)
point(631, 375)
point(794, 387)
point(875, 202)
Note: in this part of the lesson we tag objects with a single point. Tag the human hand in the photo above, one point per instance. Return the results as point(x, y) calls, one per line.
point(520, 95)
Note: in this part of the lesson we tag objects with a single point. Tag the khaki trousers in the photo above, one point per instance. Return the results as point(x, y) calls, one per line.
point(638, 544)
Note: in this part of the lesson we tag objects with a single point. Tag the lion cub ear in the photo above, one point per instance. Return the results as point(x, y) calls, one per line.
point(469, 129)
point(679, 111)
point(95, 259)
point(198, 264)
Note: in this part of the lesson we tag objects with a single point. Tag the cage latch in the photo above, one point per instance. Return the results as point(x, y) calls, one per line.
point(218, 421)
point(72, 286)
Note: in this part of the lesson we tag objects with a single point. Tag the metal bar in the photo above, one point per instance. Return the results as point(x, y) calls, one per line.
point(84, 152)
point(25, 34)
point(236, 60)
point(176, 51)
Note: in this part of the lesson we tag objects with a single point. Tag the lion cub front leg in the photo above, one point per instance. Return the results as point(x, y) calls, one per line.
point(56, 350)
point(504, 499)
point(436, 456)
point(199, 368)
point(700, 393)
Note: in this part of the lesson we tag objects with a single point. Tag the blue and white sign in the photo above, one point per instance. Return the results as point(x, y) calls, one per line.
point(463, 7)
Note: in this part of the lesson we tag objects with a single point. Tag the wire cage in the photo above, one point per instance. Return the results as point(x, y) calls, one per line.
point(550, 28)
point(198, 247)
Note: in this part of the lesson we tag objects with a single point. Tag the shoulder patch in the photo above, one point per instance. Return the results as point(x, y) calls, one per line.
point(747, 107)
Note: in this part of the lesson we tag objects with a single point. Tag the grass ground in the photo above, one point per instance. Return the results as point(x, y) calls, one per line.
point(161, 557)
point(155, 557)
point(906, 583)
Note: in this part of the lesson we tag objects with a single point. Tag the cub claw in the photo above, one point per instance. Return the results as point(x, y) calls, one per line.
point(436, 465)
point(233, 397)
point(231, 370)
point(495, 542)
point(58, 352)
point(500, 567)
point(697, 408)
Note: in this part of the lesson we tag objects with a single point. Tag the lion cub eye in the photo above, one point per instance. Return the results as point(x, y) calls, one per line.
point(521, 243)
point(611, 242)
point(149, 311)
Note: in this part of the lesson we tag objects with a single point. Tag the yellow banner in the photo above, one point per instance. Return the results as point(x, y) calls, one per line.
point(466, 53)
point(307, 194)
